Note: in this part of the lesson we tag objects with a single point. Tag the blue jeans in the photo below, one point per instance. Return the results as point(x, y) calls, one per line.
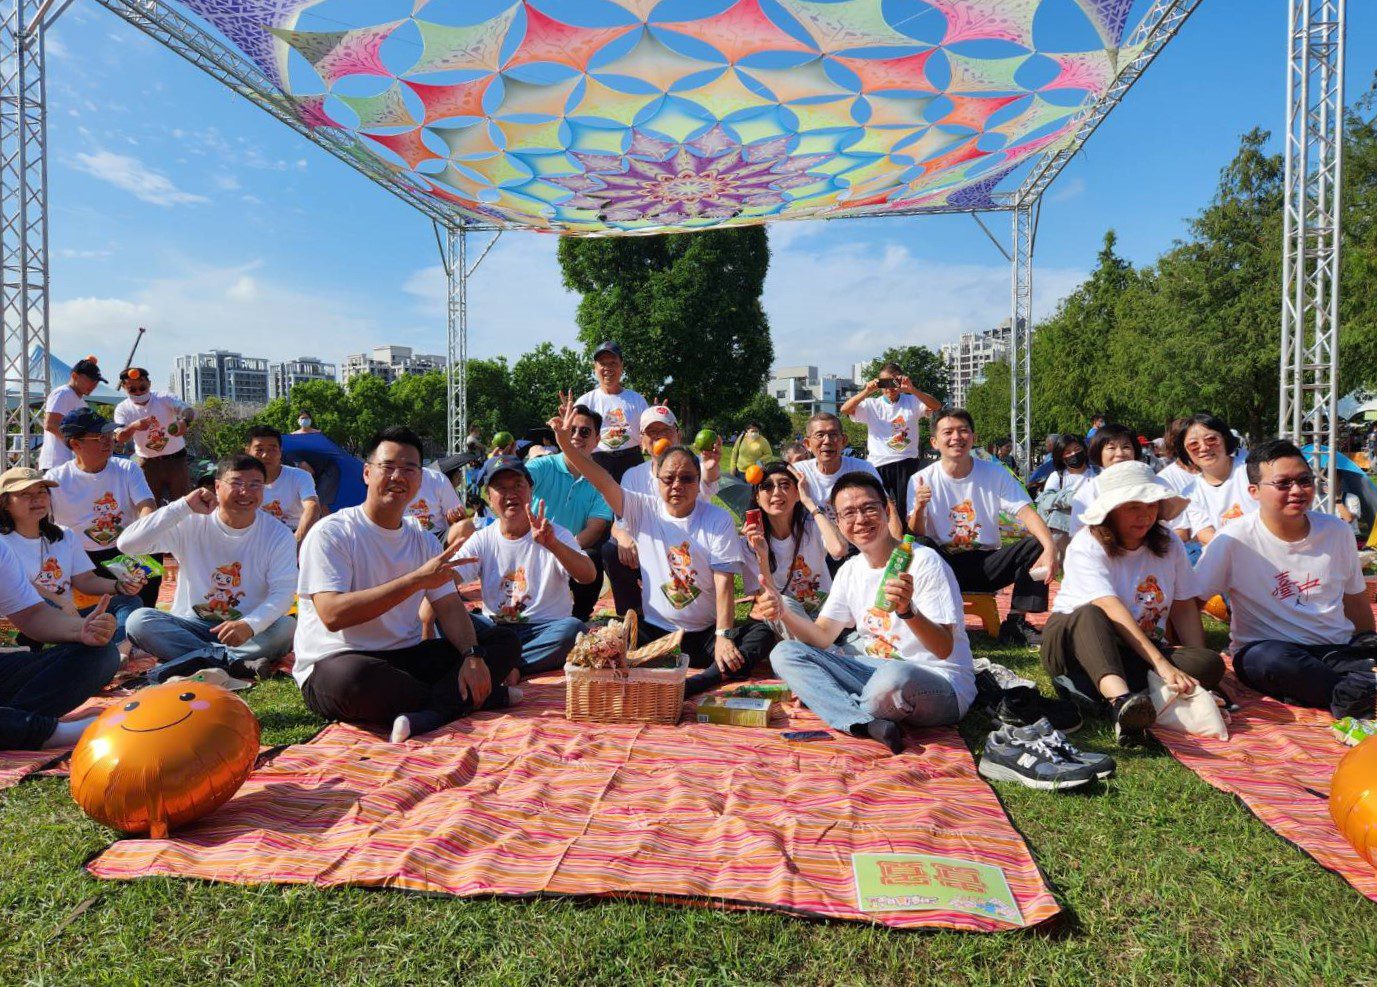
point(168, 637)
point(37, 687)
point(546, 643)
point(848, 691)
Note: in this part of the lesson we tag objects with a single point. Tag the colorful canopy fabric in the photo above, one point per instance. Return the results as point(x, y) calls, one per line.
point(597, 117)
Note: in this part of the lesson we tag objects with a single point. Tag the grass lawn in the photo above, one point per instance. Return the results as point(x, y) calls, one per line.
point(1163, 879)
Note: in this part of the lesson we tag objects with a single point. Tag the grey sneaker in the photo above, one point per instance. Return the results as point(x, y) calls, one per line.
point(1032, 763)
point(1102, 763)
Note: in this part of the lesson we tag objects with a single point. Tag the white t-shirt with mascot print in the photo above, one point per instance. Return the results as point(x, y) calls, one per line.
point(891, 427)
point(522, 581)
point(800, 572)
point(964, 513)
point(433, 502)
point(621, 417)
point(1145, 583)
point(98, 506)
point(50, 565)
point(286, 496)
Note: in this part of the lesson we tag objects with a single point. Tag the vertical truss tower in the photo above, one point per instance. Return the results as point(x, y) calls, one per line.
point(1312, 230)
point(1021, 337)
point(457, 274)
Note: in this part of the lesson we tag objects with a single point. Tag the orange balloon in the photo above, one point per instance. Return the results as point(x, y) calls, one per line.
point(1218, 609)
point(1353, 798)
point(169, 754)
point(754, 474)
point(658, 449)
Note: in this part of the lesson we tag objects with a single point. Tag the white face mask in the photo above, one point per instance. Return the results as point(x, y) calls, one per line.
point(303, 422)
point(143, 398)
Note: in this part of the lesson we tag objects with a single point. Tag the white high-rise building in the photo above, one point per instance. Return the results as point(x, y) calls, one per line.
point(804, 389)
point(389, 363)
point(967, 358)
point(289, 373)
point(221, 374)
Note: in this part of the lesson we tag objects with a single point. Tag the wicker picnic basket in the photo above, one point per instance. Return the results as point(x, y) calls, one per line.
point(626, 693)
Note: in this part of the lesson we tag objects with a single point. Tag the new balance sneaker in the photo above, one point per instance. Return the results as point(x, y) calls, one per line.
point(1043, 729)
point(1031, 763)
point(1133, 714)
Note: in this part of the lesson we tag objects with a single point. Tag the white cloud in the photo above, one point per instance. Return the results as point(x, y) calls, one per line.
point(131, 175)
point(69, 253)
point(244, 289)
point(227, 183)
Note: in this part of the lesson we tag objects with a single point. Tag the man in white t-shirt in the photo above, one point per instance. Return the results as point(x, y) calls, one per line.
point(236, 577)
point(98, 496)
point(436, 506)
point(1301, 627)
point(290, 493)
point(890, 408)
point(360, 652)
point(525, 562)
point(157, 423)
point(621, 408)
point(39, 686)
point(826, 440)
point(955, 507)
point(63, 400)
point(910, 661)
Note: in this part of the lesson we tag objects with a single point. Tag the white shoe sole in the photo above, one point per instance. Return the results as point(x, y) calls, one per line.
point(998, 772)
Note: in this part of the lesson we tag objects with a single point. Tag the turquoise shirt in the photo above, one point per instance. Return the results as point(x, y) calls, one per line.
point(569, 500)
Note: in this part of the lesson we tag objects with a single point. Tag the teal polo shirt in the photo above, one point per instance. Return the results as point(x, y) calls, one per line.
point(569, 500)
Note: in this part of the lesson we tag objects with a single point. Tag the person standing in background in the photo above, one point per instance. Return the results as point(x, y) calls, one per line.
point(157, 423)
point(751, 448)
point(63, 400)
point(619, 445)
point(890, 408)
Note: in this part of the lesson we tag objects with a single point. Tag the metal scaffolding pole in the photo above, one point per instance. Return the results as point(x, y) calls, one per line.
point(1021, 336)
point(456, 399)
point(23, 224)
point(1311, 232)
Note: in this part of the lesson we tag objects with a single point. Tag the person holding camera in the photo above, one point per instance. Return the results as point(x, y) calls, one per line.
point(890, 408)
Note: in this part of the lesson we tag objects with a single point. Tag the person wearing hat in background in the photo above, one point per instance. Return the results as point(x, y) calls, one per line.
point(570, 500)
point(63, 400)
point(524, 562)
point(621, 409)
point(37, 687)
point(157, 424)
point(1125, 576)
point(620, 559)
point(97, 496)
point(51, 557)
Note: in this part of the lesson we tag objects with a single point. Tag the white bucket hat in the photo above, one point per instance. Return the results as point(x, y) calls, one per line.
point(1129, 483)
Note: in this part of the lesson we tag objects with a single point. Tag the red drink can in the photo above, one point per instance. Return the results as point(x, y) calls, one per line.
point(753, 517)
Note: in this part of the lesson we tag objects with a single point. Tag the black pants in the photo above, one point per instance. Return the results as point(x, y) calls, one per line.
point(626, 582)
point(1085, 646)
point(895, 477)
point(148, 595)
point(988, 570)
point(754, 640)
point(586, 594)
point(1336, 677)
point(37, 687)
point(379, 686)
point(620, 461)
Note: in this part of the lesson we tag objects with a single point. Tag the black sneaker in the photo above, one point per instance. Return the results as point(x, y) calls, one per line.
point(1043, 729)
point(1031, 763)
point(1023, 707)
point(1016, 630)
point(1133, 714)
point(1088, 705)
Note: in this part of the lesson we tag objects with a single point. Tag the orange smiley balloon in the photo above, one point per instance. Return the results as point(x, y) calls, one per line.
point(1353, 798)
point(167, 755)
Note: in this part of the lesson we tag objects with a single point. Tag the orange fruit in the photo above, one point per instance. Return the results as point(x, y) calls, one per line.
point(658, 449)
point(754, 474)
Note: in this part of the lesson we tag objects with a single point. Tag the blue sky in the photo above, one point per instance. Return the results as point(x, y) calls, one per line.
point(177, 206)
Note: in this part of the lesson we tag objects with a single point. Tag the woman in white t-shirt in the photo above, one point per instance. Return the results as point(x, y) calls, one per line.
point(1113, 443)
point(1220, 493)
point(1071, 472)
point(689, 552)
point(1125, 576)
point(50, 557)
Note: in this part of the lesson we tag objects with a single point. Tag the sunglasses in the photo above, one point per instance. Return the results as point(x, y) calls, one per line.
point(683, 479)
point(582, 431)
point(770, 486)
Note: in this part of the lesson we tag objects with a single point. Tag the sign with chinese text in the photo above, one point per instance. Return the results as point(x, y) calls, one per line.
point(911, 882)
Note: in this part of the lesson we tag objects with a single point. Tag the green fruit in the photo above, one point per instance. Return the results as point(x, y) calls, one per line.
point(705, 440)
point(502, 439)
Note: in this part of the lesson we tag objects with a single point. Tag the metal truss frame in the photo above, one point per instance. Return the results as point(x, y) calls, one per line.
point(1025, 229)
point(456, 255)
point(1312, 232)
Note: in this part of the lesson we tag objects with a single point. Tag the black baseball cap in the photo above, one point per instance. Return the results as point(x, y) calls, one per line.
point(89, 368)
point(608, 346)
point(505, 464)
point(84, 421)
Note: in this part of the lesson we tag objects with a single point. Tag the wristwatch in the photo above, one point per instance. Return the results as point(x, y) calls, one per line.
point(722, 631)
point(906, 614)
point(474, 652)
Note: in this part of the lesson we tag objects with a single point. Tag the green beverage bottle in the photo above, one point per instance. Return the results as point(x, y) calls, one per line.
point(898, 564)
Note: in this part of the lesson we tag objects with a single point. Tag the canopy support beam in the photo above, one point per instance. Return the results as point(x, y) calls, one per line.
point(23, 226)
point(457, 273)
point(1021, 336)
point(1312, 233)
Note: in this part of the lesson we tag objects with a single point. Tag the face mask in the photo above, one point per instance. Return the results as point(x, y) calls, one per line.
point(303, 422)
point(141, 398)
point(1076, 460)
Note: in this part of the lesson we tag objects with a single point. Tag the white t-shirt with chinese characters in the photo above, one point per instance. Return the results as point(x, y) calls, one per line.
point(98, 506)
point(522, 581)
point(433, 502)
point(820, 484)
point(347, 552)
point(224, 573)
point(964, 513)
point(641, 479)
point(621, 417)
point(1283, 591)
point(1215, 506)
point(50, 565)
point(1178, 477)
point(678, 558)
point(16, 593)
point(285, 498)
point(55, 451)
point(155, 440)
point(800, 572)
point(1146, 584)
point(891, 427)
point(882, 634)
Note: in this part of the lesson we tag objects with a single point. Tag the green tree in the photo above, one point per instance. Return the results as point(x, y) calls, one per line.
point(762, 409)
point(326, 400)
point(217, 430)
point(370, 409)
point(686, 309)
point(921, 364)
point(988, 403)
point(537, 379)
point(420, 401)
point(490, 398)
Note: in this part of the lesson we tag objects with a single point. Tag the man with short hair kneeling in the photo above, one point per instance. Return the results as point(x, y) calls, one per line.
point(360, 656)
point(236, 575)
point(1301, 628)
point(910, 663)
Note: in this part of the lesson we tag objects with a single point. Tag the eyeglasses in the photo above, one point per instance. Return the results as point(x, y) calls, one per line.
point(770, 486)
point(873, 509)
point(1204, 441)
point(1306, 482)
point(239, 486)
point(683, 479)
point(824, 436)
point(582, 431)
point(397, 469)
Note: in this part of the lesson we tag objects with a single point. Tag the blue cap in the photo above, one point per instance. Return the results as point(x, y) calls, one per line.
point(505, 464)
point(84, 421)
point(608, 346)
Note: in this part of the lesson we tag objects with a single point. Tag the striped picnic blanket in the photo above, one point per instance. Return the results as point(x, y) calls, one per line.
point(1279, 760)
point(527, 803)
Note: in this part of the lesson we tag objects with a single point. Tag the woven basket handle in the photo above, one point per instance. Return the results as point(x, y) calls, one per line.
point(631, 626)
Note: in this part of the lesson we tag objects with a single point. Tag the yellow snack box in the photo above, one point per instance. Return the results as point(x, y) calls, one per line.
point(734, 711)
